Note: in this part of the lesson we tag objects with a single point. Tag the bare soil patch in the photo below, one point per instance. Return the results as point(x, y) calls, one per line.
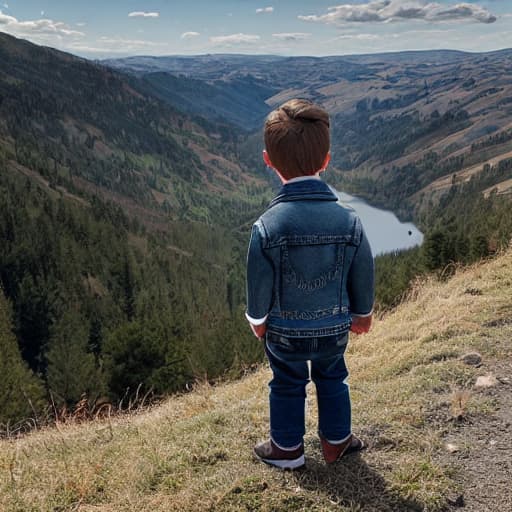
point(483, 458)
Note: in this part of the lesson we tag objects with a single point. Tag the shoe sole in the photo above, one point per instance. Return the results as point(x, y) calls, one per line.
point(283, 463)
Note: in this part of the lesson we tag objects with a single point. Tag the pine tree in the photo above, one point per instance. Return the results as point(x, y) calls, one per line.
point(72, 368)
point(21, 392)
point(144, 354)
point(435, 249)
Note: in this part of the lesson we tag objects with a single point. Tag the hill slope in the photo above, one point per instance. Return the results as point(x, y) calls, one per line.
point(116, 210)
point(411, 395)
point(89, 129)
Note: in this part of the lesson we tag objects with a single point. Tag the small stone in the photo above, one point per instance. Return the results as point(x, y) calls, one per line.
point(492, 442)
point(451, 447)
point(486, 381)
point(472, 359)
point(456, 500)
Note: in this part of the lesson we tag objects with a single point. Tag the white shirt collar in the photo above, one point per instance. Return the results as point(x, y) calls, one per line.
point(303, 178)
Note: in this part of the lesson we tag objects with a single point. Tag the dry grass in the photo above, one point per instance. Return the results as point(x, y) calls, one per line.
point(502, 188)
point(194, 451)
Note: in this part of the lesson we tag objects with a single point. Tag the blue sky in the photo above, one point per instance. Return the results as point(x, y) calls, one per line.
point(114, 28)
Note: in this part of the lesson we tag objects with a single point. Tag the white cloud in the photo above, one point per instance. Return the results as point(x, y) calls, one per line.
point(6, 6)
point(401, 10)
point(142, 14)
point(42, 13)
point(235, 39)
point(128, 42)
point(42, 27)
point(292, 36)
point(116, 45)
point(358, 37)
point(263, 10)
point(80, 24)
point(189, 35)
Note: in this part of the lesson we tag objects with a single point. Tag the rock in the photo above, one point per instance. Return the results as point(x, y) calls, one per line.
point(456, 500)
point(472, 359)
point(486, 381)
point(451, 448)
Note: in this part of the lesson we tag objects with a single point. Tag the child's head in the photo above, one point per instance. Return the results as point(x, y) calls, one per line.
point(297, 139)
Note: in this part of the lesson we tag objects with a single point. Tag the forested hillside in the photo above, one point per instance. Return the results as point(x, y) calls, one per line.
point(123, 225)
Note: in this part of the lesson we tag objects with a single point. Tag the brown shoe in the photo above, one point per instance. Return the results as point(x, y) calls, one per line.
point(334, 452)
point(271, 454)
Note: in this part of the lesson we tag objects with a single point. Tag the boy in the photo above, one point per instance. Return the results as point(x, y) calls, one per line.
point(309, 281)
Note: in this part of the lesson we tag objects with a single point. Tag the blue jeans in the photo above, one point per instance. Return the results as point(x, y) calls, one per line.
point(288, 359)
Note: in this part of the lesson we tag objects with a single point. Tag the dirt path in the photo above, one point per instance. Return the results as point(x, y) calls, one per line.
point(484, 457)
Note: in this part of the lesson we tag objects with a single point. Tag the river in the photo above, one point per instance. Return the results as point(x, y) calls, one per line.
point(385, 232)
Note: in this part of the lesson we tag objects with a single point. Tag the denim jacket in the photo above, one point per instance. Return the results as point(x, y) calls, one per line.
point(309, 264)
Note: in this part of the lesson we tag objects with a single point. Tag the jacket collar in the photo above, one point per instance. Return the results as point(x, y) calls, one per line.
point(313, 189)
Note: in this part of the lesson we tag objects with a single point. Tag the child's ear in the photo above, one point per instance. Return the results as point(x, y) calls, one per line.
point(326, 161)
point(266, 159)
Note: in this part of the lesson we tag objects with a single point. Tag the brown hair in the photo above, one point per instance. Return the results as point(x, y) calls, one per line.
point(297, 138)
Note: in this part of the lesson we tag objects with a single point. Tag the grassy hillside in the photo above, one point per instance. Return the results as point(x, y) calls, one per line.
point(411, 392)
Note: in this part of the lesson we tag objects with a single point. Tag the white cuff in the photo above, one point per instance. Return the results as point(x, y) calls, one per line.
point(364, 315)
point(256, 321)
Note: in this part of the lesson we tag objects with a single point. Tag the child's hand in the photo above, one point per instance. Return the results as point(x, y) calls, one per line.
point(361, 324)
point(259, 330)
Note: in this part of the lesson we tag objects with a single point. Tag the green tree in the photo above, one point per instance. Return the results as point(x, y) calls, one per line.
point(435, 250)
point(21, 392)
point(144, 353)
point(72, 369)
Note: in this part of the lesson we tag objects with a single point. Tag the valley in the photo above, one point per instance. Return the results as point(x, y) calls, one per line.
point(388, 111)
point(128, 188)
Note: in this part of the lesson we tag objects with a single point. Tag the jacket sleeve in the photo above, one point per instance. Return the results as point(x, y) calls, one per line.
point(260, 278)
point(360, 281)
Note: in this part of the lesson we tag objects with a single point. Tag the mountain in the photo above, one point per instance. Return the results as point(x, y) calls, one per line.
point(400, 121)
point(124, 225)
point(85, 127)
point(435, 438)
point(218, 100)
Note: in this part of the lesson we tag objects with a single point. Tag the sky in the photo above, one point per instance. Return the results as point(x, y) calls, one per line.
point(117, 28)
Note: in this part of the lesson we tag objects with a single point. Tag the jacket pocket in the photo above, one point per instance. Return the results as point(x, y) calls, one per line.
point(311, 267)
